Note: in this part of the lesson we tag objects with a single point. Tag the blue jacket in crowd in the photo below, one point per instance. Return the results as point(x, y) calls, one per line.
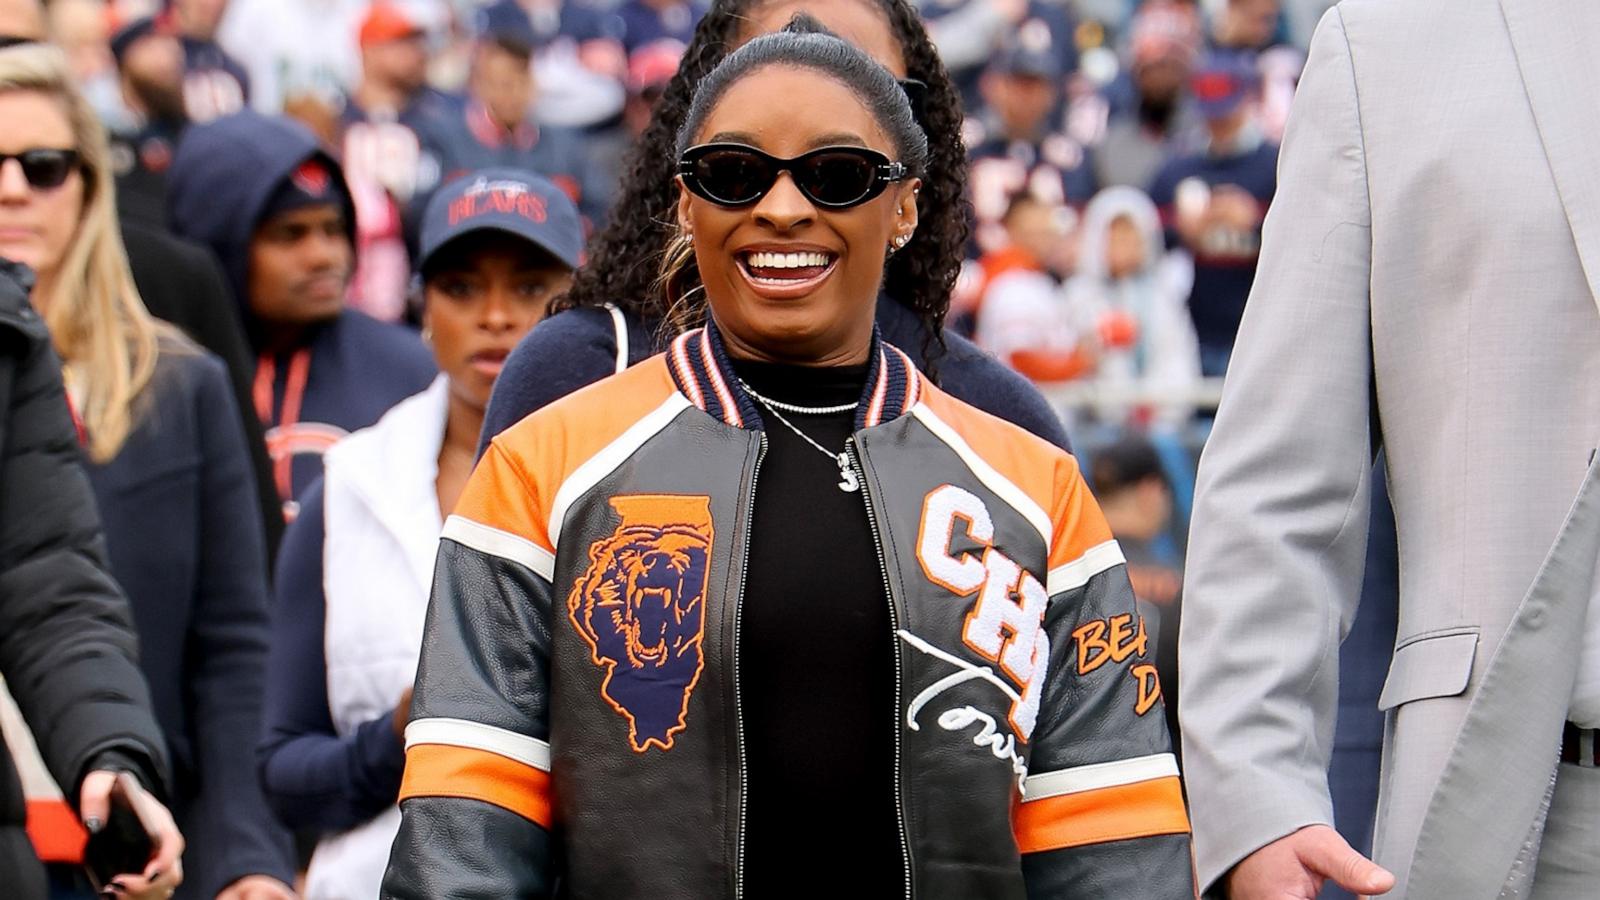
point(322, 781)
point(1225, 266)
point(222, 179)
point(214, 83)
point(183, 527)
point(461, 139)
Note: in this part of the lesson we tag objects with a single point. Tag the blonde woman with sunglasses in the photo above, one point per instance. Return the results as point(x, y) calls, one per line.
point(170, 471)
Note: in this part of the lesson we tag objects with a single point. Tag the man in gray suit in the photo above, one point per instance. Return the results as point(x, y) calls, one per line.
point(1428, 284)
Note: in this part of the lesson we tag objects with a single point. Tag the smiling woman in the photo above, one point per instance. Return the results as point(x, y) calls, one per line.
point(801, 180)
point(615, 317)
point(686, 622)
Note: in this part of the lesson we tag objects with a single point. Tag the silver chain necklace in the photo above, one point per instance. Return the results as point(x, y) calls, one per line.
point(847, 474)
point(794, 408)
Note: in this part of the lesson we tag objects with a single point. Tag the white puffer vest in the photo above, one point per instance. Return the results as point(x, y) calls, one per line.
point(381, 513)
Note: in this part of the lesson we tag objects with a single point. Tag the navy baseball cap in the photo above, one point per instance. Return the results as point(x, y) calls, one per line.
point(1030, 51)
point(123, 39)
point(512, 201)
point(1222, 83)
point(508, 24)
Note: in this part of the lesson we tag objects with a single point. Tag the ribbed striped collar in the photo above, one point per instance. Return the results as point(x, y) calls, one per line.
point(699, 364)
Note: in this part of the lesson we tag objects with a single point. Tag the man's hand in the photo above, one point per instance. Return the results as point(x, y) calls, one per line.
point(1294, 867)
point(164, 872)
point(257, 887)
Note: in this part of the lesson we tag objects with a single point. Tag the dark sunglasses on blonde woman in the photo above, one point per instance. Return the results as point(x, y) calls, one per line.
point(735, 175)
point(43, 168)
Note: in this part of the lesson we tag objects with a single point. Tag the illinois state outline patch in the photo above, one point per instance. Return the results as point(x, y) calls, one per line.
point(641, 608)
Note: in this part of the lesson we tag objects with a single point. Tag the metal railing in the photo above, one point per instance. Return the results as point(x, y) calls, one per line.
point(1204, 394)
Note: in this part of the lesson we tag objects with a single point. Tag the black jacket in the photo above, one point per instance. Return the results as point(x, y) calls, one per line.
point(181, 524)
point(182, 283)
point(580, 710)
point(67, 647)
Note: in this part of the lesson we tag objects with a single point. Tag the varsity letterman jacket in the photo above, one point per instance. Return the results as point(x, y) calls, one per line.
point(576, 727)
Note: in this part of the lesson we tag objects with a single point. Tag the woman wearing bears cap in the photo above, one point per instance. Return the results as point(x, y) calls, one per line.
point(770, 613)
point(586, 340)
point(352, 579)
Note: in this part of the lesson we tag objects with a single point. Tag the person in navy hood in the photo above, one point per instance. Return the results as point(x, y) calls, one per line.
point(275, 208)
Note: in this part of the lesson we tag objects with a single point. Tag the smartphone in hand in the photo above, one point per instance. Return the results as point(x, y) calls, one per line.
point(124, 845)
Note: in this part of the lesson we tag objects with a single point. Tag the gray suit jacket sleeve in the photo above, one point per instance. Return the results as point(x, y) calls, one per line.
point(1280, 522)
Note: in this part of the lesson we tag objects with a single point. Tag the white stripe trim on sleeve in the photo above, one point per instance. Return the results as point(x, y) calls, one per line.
point(1099, 775)
point(504, 544)
point(478, 736)
point(1076, 574)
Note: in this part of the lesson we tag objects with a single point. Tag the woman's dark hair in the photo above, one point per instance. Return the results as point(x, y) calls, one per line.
point(625, 256)
point(808, 47)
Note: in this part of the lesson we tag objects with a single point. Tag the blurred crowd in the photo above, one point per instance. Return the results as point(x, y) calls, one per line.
point(1122, 153)
point(283, 162)
point(1181, 101)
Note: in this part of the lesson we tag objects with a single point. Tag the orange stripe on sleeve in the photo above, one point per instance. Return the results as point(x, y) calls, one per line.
point(1026, 460)
point(438, 770)
point(1048, 475)
point(1141, 809)
point(514, 486)
point(1080, 525)
point(497, 495)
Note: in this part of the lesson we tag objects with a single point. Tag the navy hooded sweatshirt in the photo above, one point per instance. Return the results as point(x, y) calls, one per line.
point(349, 370)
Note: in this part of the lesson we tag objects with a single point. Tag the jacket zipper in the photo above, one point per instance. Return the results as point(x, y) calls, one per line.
point(853, 449)
point(738, 702)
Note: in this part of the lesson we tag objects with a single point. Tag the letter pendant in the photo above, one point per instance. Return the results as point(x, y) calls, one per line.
point(847, 475)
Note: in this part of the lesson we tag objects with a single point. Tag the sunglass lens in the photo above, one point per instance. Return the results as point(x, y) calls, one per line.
point(839, 178)
point(733, 177)
point(47, 168)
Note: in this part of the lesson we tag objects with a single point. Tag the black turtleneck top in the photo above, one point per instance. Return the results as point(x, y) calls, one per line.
point(816, 659)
